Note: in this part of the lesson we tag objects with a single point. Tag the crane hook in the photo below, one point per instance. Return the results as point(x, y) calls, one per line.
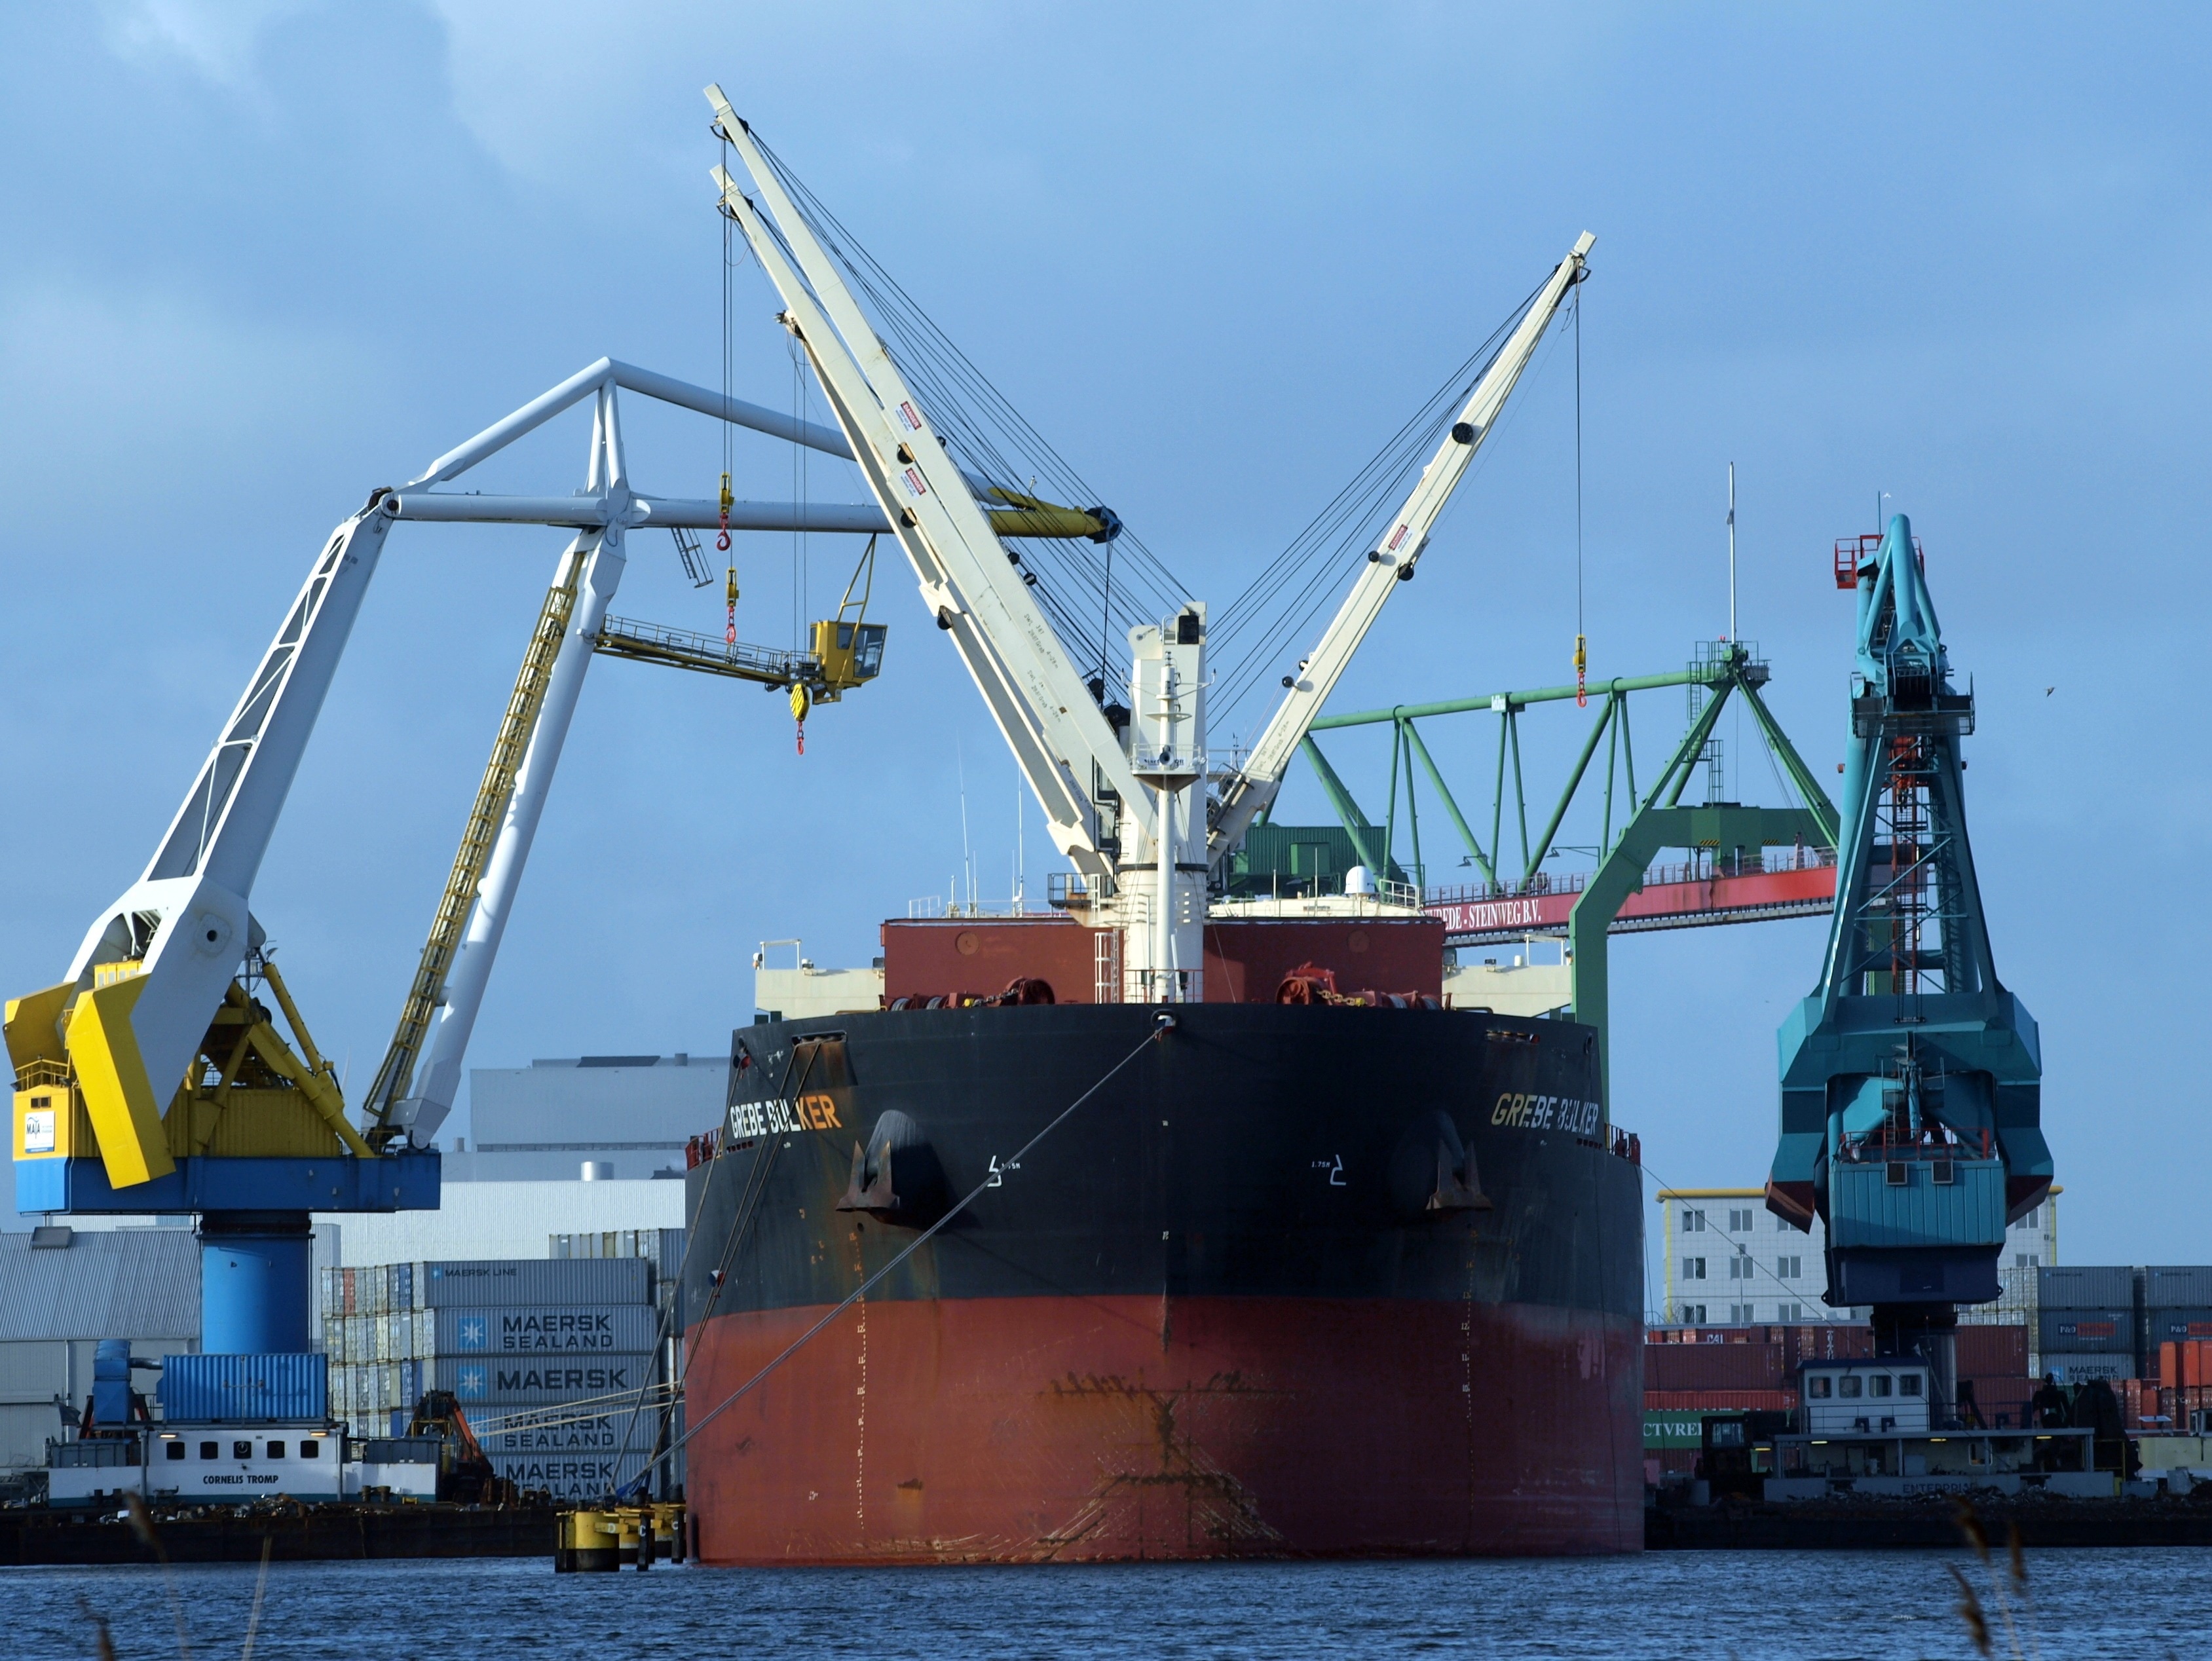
point(801, 702)
point(1582, 664)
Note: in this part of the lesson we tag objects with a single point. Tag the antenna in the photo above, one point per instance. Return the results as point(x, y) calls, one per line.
point(967, 854)
point(1731, 528)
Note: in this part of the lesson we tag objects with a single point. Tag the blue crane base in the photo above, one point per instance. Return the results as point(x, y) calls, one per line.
point(257, 1253)
point(257, 1283)
point(399, 1182)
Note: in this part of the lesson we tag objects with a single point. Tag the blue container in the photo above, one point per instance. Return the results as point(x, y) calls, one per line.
point(2170, 1325)
point(215, 1389)
point(533, 1280)
point(2088, 1332)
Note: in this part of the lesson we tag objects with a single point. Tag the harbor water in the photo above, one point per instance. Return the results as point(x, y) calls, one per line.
point(2144, 1605)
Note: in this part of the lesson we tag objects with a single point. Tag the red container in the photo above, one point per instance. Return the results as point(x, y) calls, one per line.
point(2003, 1400)
point(1992, 1352)
point(1720, 1401)
point(1713, 1367)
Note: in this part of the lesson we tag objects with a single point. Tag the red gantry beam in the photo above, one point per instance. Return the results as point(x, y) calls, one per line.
point(1691, 901)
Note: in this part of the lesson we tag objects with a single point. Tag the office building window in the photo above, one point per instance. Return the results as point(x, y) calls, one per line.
point(1789, 1312)
point(2027, 1260)
point(1694, 1268)
point(1739, 1268)
point(1739, 1315)
point(1789, 1268)
point(1693, 1314)
point(1693, 1222)
point(1739, 1221)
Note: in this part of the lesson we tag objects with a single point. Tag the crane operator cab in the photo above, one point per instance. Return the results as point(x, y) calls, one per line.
point(850, 654)
point(848, 649)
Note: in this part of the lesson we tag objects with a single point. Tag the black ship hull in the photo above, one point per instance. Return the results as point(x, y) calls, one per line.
point(1293, 1280)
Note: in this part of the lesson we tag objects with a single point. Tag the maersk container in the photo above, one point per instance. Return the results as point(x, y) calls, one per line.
point(543, 1380)
point(581, 1476)
point(601, 1433)
point(548, 1328)
point(215, 1389)
point(534, 1281)
point(2085, 1288)
point(2110, 1331)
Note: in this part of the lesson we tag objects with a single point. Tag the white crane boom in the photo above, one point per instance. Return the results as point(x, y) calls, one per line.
point(1070, 753)
point(1254, 786)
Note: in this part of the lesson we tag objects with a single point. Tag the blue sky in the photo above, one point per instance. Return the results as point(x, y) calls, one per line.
point(265, 257)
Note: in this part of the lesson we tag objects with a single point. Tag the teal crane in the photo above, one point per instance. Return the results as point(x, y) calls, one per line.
point(1911, 1080)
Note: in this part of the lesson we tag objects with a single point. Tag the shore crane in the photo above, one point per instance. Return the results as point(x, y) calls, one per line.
point(1126, 801)
point(153, 1077)
point(1911, 1078)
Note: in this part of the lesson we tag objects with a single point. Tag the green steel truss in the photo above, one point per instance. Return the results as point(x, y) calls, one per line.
point(1648, 821)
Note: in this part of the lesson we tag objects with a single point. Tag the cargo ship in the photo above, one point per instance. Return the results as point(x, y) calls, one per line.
point(1319, 1280)
point(1304, 1262)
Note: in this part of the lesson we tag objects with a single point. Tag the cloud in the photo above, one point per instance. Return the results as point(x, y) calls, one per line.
point(215, 39)
point(549, 85)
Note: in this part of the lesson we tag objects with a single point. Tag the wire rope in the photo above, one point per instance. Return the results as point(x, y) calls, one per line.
point(983, 428)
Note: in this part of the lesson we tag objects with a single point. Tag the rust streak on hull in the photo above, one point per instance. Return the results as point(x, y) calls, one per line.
point(1062, 1428)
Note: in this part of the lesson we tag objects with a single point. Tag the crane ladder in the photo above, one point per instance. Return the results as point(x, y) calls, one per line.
point(423, 996)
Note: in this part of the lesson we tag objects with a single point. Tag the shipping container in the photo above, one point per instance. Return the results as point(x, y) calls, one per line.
point(2077, 1331)
point(506, 1282)
point(2085, 1288)
point(1720, 1401)
point(1713, 1367)
point(1991, 1352)
point(531, 1380)
point(207, 1390)
point(2003, 1398)
point(662, 1247)
point(570, 1433)
point(588, 1476)
point(2185, 1362)
point(2082, 1369)
point(1682, 1427)
point(2172, 1284)
point(2181, 1322)
point(548, 1329)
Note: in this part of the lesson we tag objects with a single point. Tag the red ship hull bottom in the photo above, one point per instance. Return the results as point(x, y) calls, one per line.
point(1092, 1429)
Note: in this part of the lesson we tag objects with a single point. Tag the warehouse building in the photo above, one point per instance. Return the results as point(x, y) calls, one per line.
point(598, 1117)
point(62, 1290)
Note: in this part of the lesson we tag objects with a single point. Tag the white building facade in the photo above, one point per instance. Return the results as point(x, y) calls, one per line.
point(1728, 1261)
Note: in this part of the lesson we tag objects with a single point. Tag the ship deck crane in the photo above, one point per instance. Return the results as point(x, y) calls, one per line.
point(1119, 801)
point(1911, 1078)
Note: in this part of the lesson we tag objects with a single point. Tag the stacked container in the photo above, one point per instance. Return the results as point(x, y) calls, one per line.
point(556, 1362)
point(1690, 1372)
point(2086, 1325)
point(2177, 1307)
